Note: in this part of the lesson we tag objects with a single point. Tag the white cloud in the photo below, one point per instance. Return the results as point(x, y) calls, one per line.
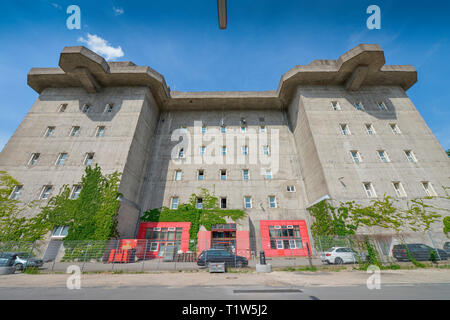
point(118, 11)
point(101, 46)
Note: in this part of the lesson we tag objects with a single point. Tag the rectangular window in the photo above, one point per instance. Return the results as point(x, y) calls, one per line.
point(223, 129)
point(370, 191)
point(382, 106)
point(202, 150)
point(247, 202)
point(223, 174)
point(370, 129)
point(181, 153)
point(359, 105)
point(398, 188)
point(394, 128)
point(75, 131)
point(201, 175)
point(63, 108)
point(178, 175)
point(429, 190)
point(243, 129)
point(199, 203)
point(223, 203)
point(46, 191)
point(50, 131)
point(290, 188)
point(262, 129)
point(266, 150)
point(61, 159)
point(100, 132)
point(204, 129)
point(34, 159)
point(86, 108)
point(345, 129)
point(335, 105)
point(285, 237)
point(89, 159)
point(76, 192)
point(355, 156)
point(272, 202)
point(174, 203)
point(60, 232)
point(383, 156)
point(16, 192)
point(245, 150)
point(224, 150)
point(410, 156)
point(109, 108)
point(246, 174)
point(268, 174)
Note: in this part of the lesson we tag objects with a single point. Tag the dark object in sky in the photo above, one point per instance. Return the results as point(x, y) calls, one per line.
point(222, 8)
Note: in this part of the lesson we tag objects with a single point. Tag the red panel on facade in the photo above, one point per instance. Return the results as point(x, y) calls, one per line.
point(280, 249)
point(243, 244)
point(204, 241)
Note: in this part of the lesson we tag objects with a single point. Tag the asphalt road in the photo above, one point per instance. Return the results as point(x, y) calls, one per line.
point(387, 292)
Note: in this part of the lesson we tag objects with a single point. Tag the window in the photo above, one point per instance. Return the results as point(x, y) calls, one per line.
point(262, 128)
point(60, 232)
point(383, 156)
point(290, 188)
point(410, 156)
point(161, 238)
point(88, 159)
point(100, 132)
point(243, 129)
point(174, 205)
point(356, 157)
point(370, 129)
point(272, 202)
point(246, 174)
point(76, 192)
point(224, 150)
point(50, 131)
point(16, 192)
point(247, 202)
point(46, 191)
point(370, 191)
point(178, 175)
point(394, 128)
point(359, 105)
point(34, 159)
point(86, 108)
point(245, 150)
point(344, 129)
point(61, 159)
point(223, 174)
point(398, 188)
point(204, 129)
point(202, 150)
point(199, 203)
point(183, 129)
point(266, 150)
point(285, 237)
point(223, 129)
point(75, 131)
point(429, 190)
point(268, 174)
point(109, 108)
point(201, 175)
point(382, 106)
point(223, 203)
point(63, 108)
point(335, 105)
point(181, 153)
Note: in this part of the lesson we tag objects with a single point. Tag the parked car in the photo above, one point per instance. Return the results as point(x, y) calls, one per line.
point(341, 255)
point(7, 259)
point(447, 248)
point(418, 251)
point(220, 255)
point(24, 261)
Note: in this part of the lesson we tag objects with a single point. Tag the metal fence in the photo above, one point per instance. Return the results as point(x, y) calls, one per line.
point(150, 255)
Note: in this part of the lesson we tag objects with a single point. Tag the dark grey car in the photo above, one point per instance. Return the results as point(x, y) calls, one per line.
point(418, 251)
point(220, 255)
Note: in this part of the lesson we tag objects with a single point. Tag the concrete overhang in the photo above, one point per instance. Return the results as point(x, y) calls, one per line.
point(361, 66)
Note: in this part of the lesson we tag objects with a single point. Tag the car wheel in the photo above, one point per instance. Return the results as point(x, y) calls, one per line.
point(338, 261)
point(19, 267)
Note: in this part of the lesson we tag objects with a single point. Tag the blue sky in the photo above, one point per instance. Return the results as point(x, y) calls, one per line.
point(264, 39)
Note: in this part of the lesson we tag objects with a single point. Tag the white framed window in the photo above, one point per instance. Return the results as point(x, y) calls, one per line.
point(86, 108)
point(46, 192)
point(410, 156)
point(88, 159)
point(245, 150)
point(359, 105)
point(262, 128)
point(16, 192)
point(174, 205)
point(292, 244)
point(178, 175)
point(204, 129)
point(246, 174)
point(34, 159)
point(201, 175)
point(268, 174)
point(399, 190)
point(370, 129)
point(50, 131)
point(223, 129)
point(272, 202)
point(356, 156)
point(223, 203)
point(290, 188)
point(202, 150)
point(280, 244)
point(76, 190)
point(109, 108)
point(75, 131)
point(61, 159)
point(382, 106)
point(60, 232)
point(154, 246)
point(395, 129)
point(335, 105)
point(370, 191)
point(429, 190)
point(199, 203)
point(184, 129)
point(345, 130)
point(247, 202)
point(243, 129)
point(100, 131)
point(224, 150)
point(181, 153)
point(383, 156)
point(63, 108)
point(223, 174)
point(266, 150)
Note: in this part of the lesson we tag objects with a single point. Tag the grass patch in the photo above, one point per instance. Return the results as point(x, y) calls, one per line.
point(31, 270)
point(305, 268)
